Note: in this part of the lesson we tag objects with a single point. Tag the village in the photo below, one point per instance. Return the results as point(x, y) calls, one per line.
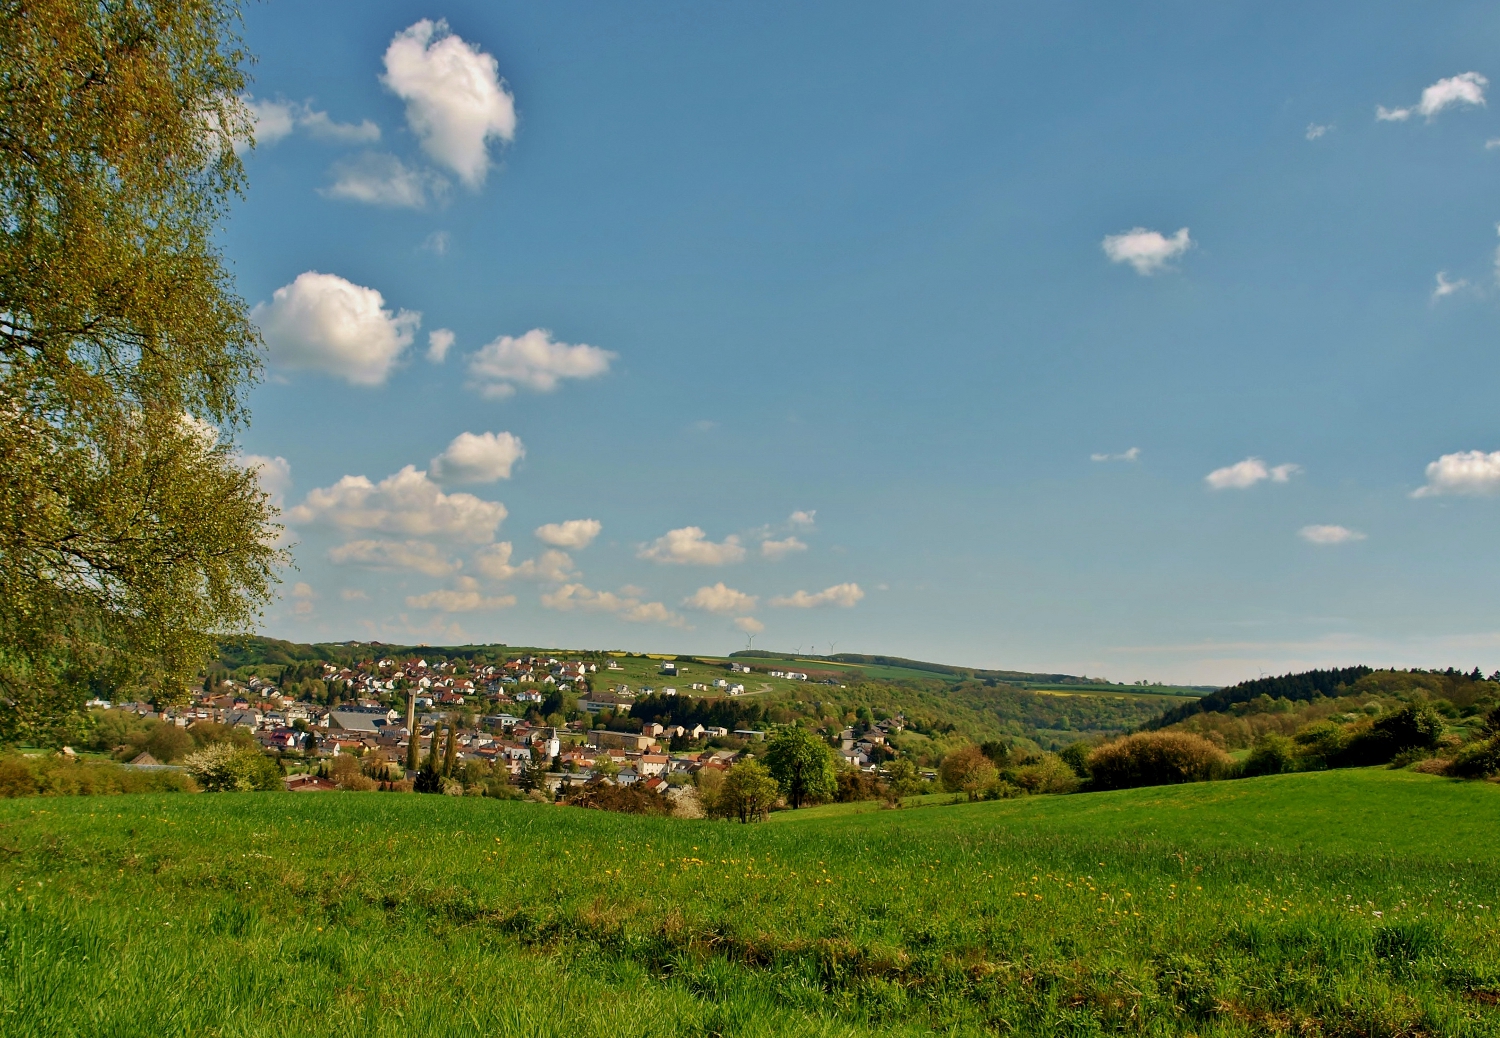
point(546, 725)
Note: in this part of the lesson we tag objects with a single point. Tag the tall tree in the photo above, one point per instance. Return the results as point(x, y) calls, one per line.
point(450, 752)
point(130, 532)
point(802, 765)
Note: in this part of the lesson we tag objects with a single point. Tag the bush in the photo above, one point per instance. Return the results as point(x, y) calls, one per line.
point(55, 775)
point(855, 785)
point(1076, 756)
point(1273, 755)
point(631, 800)
point(224, 767)
point(1046, 774)
point(1477, 760)
point(1157, 759)
point(969, 771)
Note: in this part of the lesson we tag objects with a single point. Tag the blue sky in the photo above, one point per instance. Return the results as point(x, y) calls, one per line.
point(1149, 342)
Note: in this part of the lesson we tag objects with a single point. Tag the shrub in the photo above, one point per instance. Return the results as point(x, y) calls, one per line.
point(224, 766)
point(1272, 755)
point(1047, 774)
point(1157, 759)
point(1477, 760)
point(54, 775)
point(855, 785)
point(630, 800)
point(969, 771)
point(1076, 756)
point(1416, 726)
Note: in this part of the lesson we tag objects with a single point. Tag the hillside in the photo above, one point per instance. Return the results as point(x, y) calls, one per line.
point(1338, 903)
point(940, 702)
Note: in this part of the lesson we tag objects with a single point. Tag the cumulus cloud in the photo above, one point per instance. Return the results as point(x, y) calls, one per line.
point(421, 556)
point(720, 599)
point(1249, 472)
point(273, 474)
point(1467, 88)
point(466, 598)
point(276, 120)
point(405, 503)
point(777, 550)
point(749, 624)
point(1133, 454)
point(806, 519)
point(551, 567)
point(1469, 473)
point(321, 322)
point(1446, 287)
point(628, 607)
point(439, 342)
point(1149, 252)
point(478, 458)
point(574, 533)
point(304, 597)
point(1329, 534)
point(535, 361)
point(456, 102)
point(1314, 131)
point(843, 595)
point(690, 546)
point(379, 178)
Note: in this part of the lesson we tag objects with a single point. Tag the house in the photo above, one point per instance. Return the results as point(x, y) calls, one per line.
point(309, 784)
point(739, 668)
point(627, 777)
point(602, 739)
point(362, 721)
point(653, 764)
point(669, 668)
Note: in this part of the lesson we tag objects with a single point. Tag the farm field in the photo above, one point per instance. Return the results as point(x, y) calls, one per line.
point(1357, 902)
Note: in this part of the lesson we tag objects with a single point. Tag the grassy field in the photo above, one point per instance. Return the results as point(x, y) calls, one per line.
point(1337, 903)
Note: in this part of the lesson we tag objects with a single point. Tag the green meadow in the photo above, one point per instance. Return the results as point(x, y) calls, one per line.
point(1357, 902)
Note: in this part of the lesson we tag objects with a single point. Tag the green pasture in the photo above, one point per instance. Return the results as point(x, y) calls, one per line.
point(1340, 903)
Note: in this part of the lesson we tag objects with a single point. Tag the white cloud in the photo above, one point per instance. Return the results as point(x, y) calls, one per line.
point(777, 550)
point(551, 567)
point(572, 597)
point(1446, 287)
point(466, 598)
point(320, 322)
point(1467, 88)
point(404, 503)
point(842, 595)
point(274, 474)
point(575, 533)
point(304, 596)
point(478, 458)
point(1472, 473)
point(436, 242)
point(1249, 472)
point(690, 546)
point(720, 599)
point(1133, 454)
point(1492, 144)
point(749, 624)
point(1314, 131)
point(350, 594)
point(535, 361)
point(320, 127)
point(455, 100)
point(1148, 252)
point(275, 121)
point(439, 342)
point(1329, 534)
point(378, 178)
point(422, 556)
point(805, 519)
